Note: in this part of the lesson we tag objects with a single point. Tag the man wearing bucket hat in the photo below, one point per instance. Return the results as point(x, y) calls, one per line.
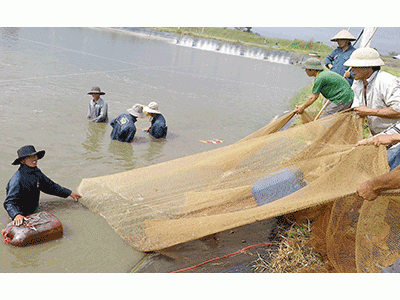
point(124, 128)
point(98, 108)
point(158, 128)
point(23, 189)
point(376, 93)
point(340, 55)
point(331, 85)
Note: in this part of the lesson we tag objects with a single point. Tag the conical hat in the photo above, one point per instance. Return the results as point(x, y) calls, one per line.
point(343, 35)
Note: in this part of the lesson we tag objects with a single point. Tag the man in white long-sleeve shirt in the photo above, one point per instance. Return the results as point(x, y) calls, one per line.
point(377, 97)
point(376, 93)
point(98, 108)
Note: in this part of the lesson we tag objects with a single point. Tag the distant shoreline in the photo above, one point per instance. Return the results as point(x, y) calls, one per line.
point(390, 62)
point(136, 33)
point(170, 37)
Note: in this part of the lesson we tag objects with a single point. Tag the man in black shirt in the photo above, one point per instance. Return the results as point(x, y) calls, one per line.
point(23, 189)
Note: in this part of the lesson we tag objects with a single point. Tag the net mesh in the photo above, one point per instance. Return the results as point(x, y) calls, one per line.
point(162, 205)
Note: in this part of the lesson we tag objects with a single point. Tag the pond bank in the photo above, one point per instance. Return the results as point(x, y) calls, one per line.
point(224, 47)
point(273, 49)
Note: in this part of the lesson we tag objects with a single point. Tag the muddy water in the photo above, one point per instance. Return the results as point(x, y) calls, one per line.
point(45, 74)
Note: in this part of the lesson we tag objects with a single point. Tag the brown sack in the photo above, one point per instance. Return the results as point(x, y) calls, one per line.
point(39, 228)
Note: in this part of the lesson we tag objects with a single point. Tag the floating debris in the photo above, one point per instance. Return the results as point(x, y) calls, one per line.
point(215, 141)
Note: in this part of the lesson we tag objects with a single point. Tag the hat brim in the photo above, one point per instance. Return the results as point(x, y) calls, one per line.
point(364, 63)
point(100, 93)
point(349, 39)
point(136, 114)
point(151, 111)
point(312, 68)
point(39, 154)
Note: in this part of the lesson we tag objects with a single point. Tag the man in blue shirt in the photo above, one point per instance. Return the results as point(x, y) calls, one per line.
point(158, 128)
point(23, 189)
point(340, 55)
point(124, 128)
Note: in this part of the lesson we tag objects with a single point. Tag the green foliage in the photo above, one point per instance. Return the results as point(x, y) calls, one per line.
point(301, 96)
point(395, 72)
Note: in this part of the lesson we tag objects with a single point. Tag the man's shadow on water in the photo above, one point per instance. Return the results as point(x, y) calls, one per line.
point(123, 152)
point(94, 137)
point(156, 147)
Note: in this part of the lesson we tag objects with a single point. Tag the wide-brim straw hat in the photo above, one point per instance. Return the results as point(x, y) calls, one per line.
point(313, 64)
point(137, 111)
point(27, 151)
point(96, 90)
point(343, 35)
point(152, 108)
point(364, 57)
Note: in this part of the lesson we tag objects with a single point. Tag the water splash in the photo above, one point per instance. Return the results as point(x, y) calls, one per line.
point(275, 56)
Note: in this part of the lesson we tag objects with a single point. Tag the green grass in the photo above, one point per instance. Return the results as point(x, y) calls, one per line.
point(391, 70)
point(293, 254)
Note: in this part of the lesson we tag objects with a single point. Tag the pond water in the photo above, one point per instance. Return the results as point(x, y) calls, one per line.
point(44, 79)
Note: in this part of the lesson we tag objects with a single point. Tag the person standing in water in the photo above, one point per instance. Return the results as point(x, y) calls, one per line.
point(124, 128)
point(98, 108)
point(158, 127)
point(24, 187)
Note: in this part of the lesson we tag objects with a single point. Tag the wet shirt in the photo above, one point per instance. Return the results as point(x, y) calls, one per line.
point(124, 128)
point(23, 191)
point(98, 112)
point(333, 87)
point(158, 127)
point(383, 90)
point(337, 58)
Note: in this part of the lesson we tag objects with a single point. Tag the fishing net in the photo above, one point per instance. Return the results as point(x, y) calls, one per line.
point(166, 204)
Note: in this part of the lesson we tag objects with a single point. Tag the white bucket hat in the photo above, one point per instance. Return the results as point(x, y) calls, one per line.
point(152, 108)
point(364, 57)
point(137, 111)
point(343, 35)
point(313, 64)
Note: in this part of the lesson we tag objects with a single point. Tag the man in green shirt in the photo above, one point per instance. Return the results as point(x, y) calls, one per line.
point(331, 85)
